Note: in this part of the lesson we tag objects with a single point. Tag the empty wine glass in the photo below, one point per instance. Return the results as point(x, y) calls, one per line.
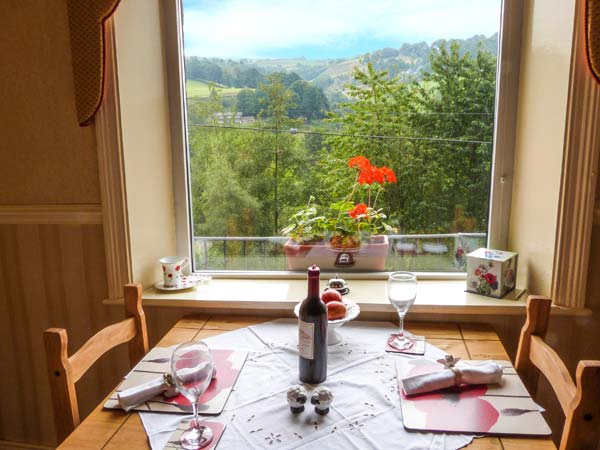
point(401, 291)
point(192, 368)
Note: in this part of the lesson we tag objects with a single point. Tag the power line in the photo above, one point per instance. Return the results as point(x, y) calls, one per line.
point(398, 113)
point(363, 136)
point(441, 113)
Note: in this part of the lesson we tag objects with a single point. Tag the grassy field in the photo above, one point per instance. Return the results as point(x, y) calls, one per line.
point(199, 89)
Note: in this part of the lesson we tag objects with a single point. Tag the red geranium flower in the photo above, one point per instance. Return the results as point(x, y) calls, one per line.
point(378, 175)
point(371, 174)
point(359, 210)
point(359, 161)
point(366, 176)
point(389, 174)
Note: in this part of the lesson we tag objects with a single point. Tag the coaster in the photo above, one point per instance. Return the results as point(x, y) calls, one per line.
point(418, 347)
point(216, 427)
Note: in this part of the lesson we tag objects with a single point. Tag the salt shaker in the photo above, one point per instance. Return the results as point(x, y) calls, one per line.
point(321, 398)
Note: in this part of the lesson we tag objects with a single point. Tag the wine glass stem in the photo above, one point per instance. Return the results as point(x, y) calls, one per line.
point(401, 325)
point(195, 409)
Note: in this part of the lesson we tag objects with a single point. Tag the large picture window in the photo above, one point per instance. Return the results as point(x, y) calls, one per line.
point(281, 97)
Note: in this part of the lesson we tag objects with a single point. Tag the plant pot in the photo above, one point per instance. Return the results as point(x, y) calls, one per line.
point(369, 257)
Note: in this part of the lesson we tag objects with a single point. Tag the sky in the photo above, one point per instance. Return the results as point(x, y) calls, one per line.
point(327, 28)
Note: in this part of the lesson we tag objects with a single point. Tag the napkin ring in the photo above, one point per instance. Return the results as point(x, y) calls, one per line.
point(168, 386)
point(448, 361)
point(457, 375)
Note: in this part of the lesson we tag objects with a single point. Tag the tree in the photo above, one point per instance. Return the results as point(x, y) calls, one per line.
point(311, 102)
point(289, 78)
point(417, 129)
point(249, 78)
point(234, 208)
point(247, 102)
point(277, 101)
point(461, 89)
point(203, 111)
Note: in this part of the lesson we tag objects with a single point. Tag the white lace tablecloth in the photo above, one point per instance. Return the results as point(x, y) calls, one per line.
point(365, 413)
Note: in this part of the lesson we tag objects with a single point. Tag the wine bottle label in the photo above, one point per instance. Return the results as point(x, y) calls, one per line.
point(306, 339)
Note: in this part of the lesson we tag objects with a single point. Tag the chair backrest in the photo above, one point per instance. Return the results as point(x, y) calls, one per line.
point(580, 401)
point(64, 371)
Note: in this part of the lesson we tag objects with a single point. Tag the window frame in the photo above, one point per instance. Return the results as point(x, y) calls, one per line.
point(503, 153)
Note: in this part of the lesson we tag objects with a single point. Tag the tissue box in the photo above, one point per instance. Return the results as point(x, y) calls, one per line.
point(491, 272)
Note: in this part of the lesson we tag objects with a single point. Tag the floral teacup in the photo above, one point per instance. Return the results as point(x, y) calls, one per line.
point(172, 267)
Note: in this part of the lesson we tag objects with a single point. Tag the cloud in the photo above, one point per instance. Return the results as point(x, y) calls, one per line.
point(253, 28)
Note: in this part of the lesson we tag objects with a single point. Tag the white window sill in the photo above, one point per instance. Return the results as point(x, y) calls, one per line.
point(274, 295)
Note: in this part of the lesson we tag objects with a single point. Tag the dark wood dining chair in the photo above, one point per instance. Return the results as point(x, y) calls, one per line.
point(64, 371)
point(580, 401)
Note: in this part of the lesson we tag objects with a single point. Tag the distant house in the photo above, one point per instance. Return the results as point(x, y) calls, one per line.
point(230, 117)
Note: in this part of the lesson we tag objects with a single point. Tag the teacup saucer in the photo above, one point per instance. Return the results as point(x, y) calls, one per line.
point(187, 282)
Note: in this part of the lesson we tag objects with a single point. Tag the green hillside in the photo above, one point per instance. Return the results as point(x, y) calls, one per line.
point(332, 76)
point(199, 89)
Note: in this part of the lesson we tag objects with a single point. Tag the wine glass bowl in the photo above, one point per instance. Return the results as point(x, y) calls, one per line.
point(401, 292)
point(192, 368)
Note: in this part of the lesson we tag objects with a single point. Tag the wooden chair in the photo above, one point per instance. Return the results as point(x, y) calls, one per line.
point(64, 371)
point(580, 401)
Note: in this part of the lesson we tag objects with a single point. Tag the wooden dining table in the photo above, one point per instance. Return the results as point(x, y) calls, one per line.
point(113, 429)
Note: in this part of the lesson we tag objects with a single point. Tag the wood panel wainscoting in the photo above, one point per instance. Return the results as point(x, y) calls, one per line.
point(53, 274)
point(50, 275)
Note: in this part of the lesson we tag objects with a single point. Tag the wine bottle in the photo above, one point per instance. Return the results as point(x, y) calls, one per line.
point(312, 333)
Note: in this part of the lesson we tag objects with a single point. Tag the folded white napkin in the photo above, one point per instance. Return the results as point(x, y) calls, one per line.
point(130, 398)
point(463, 373)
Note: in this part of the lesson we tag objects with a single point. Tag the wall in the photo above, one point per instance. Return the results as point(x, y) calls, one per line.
point(543, 89)
point(43, 161)
point(146, 136)
point(50, 274)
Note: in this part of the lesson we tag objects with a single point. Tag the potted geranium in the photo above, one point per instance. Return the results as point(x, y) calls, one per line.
point(344, 233)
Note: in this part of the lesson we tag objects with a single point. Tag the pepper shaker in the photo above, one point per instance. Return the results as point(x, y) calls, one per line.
point(296, 398)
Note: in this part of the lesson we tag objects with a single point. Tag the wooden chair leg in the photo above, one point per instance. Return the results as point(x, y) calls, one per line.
point(538, 315)
point(582, 422)
point(138, 346)
point(62, 386)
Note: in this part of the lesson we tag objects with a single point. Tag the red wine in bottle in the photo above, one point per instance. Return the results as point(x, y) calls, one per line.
point(312, 333)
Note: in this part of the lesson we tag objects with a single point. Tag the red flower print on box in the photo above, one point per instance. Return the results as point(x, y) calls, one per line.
point(490, 278)
point(487, 281)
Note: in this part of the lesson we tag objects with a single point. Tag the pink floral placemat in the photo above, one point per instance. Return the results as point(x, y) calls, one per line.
point(229, 364)
point(503, 408)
